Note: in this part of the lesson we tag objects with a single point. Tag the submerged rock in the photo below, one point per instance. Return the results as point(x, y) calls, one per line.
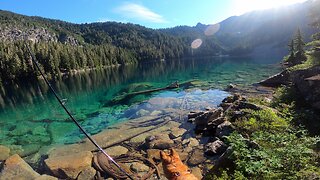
point(21, 130)
point(58, 130)
point(142, 112)
point(16, 168)
point(155, 113)
point(69, 166)
point(33, 139)
point(29, 150)
point(176, 132)
point(40, 130)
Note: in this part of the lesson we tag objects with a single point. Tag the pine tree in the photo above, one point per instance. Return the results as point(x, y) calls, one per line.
point(299, 43)
point(291, 48)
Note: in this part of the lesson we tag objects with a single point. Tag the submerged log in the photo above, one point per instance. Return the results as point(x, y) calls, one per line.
point(171, 86)
point(126, 97)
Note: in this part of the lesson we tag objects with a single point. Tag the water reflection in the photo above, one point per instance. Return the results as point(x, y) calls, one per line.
point(110, 80)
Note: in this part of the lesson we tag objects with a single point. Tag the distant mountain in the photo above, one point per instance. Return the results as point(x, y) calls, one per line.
point(263, 32)
point(145, 43)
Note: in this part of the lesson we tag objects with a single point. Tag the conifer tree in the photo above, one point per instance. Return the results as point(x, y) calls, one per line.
point(291, 48)
point(299, 43)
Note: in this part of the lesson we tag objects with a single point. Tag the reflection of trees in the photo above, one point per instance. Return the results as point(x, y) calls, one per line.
point(106, 79)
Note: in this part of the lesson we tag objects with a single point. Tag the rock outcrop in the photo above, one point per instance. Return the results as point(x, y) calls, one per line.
point(307, 82)
point(216, 126)
point(282, 78)
point(216, 147)
point(16, 168)
point(36, 34)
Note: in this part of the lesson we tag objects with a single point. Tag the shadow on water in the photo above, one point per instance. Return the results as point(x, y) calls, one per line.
point(29, 114)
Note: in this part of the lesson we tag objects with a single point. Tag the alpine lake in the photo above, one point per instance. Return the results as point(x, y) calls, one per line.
point(31, 119)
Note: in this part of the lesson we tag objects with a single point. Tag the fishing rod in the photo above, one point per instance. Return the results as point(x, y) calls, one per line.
point(34, 60)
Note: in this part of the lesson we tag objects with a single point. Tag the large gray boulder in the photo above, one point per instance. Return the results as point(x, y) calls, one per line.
point(224, 129)
point(282, 78)
point(214, 148)
point(308, 84)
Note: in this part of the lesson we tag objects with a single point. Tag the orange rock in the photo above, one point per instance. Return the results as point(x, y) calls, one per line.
point(4, 153)
point(16, 168)
point(69, 166)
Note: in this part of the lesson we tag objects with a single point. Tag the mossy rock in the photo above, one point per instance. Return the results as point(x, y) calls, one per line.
point(21, 130)
point(193, 83)
point(29, 150)
point(136, 87)
point(59, 130)
point(31, 139)
point(40, 130)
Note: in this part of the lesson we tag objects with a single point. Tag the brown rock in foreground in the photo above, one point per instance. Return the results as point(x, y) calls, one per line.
point(87, 174)
point(46, 177)
point(69, 166)
point(4, 152)
point(16, 168)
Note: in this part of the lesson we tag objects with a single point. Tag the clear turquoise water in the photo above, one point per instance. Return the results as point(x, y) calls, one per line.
point(31, 118)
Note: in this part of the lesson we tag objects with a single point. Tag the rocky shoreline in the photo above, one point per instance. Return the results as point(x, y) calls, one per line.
point(198, 137)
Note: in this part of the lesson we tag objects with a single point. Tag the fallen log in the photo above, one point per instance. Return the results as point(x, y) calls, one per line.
point(125, 97)
point(171, 86)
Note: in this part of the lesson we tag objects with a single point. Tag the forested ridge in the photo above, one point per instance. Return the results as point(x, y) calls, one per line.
point(62, 47)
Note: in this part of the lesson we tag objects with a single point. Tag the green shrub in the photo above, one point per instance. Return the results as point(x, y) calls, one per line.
point(282, 155)
point(312, 60)
point(291, 106)
point(259, 101)
point(266, 120)
point(284, 95)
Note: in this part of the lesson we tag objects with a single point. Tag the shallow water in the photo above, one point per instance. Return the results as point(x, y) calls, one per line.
point(31, 118)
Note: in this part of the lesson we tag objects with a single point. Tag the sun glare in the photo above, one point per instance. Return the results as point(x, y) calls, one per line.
point(243, 6)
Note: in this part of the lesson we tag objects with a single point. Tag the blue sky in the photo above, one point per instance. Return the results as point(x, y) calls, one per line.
point(149, 13)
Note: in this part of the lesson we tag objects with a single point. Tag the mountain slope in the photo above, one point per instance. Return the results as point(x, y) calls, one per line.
point(257, 32)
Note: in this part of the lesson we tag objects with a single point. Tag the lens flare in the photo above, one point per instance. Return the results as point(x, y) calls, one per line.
point(196, 43)
point(212, 29)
